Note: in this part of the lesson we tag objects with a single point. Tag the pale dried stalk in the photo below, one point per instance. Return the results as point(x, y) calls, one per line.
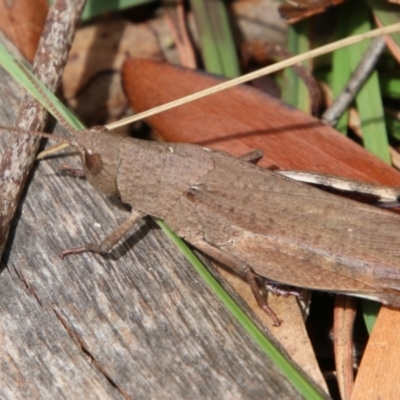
point(256, 74)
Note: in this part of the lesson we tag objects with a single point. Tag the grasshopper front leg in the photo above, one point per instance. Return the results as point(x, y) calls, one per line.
point(110, 241)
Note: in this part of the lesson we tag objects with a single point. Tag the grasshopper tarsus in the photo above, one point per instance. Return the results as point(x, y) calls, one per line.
point(88, 247)
point(74, 172)
point(275, 320)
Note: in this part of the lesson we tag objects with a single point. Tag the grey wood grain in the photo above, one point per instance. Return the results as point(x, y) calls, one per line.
point(138, 324)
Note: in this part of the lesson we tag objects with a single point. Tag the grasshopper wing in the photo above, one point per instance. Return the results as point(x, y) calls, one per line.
point(292, 233)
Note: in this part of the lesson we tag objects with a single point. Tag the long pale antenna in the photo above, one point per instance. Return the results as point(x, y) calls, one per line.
point(60, 139)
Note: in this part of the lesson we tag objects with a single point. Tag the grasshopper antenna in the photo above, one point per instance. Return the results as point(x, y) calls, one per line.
point(58, 139)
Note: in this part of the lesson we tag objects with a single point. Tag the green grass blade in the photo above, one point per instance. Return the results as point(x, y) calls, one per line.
point(294, 90)
point(15, 69)
point(218, 47)
point(370, 311)
point(390, 86)
point(369, 99)
point(387, 13)
point(341, 69)
point(94, 8)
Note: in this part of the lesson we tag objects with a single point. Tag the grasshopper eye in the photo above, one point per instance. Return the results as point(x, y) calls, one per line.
point(93, 163)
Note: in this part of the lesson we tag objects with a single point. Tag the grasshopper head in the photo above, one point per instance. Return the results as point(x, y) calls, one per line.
point(100, 156)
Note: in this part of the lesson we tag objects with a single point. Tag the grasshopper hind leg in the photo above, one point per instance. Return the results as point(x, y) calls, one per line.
point(261, 300)
point(243, 269)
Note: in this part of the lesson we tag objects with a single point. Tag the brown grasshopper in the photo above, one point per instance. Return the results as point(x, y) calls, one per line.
point(253, 220)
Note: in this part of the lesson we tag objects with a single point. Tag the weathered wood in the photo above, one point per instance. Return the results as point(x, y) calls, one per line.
point(139, 324)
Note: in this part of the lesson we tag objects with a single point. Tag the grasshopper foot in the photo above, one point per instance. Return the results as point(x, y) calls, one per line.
point(94, 248)
point(67, 169)
point(268, 310)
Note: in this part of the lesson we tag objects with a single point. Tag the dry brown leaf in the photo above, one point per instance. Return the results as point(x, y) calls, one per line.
point(297, 10)
point(22, 21)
